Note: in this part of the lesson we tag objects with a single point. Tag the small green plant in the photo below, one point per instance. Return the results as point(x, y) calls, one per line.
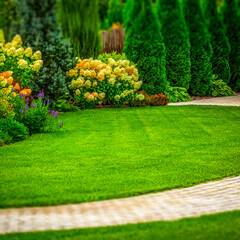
point(12, 131)
point(115, 56)
point(220, 88)
point(63, 105)
point(35, 114)
point(178, 94)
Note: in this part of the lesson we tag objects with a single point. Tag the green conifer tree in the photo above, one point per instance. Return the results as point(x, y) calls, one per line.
point(80, 23)
point(176, 40)
point(144, 45)
point(37, 25)
point(201, 50)
point(232, 22)
point(115, 12)
point(219, 42)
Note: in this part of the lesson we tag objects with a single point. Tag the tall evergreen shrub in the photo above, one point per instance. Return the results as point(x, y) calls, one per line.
point(176, 40)
point(144, 45)
point(201, 50)
point(37, 24)
point(232, 22)
point(80, 23)
point(219, 42)
point(115, 12)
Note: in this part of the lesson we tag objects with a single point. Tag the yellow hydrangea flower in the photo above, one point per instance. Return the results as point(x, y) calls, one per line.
point(22, 64)
point(28, 52)
point(11, 52)
point(117, 98)
point(37, 55)
point(102, 95)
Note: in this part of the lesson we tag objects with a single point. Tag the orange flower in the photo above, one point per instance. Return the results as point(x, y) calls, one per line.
point(10, 81)
point(28, 91)
point(23, 92)
point(17, 87)
point(7, 74)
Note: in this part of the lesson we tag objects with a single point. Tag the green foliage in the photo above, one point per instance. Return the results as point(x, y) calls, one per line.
point(79, 20)
point(219, 42)
point(103, 10)
point(63, 105)
point(232, 22)
point(115, 12)
point(144, 45)
point(176, 40)
point(7, 12)
point(115, 56)
point(35, 114)
point(178, 94)
point(37, 24)
point(201, 50)
point(12, 131)
point(220, 88)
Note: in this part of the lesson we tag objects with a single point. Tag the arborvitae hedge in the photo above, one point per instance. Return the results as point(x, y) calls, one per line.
point(176, 40)
point(219, 42)
point(115, 12)
point(201, 50)
point(37, 24)
point(79, 20)
point(232, 22)
point(144, 45)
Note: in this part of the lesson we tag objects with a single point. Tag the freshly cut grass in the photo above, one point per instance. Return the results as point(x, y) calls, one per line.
point(112, 153)
point(224, 226)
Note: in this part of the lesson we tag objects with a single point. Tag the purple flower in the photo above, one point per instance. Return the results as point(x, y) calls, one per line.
point(12, 89)
point(21, 96)
point(35, 105)
point(48, 102)
point(53, 112)
point(27, 99)
point(21, 111)
point(31, 97)
point(60, 125)
point(24, 107)
point(49, 111)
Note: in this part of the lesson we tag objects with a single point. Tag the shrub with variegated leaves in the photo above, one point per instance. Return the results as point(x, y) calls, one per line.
point(95, 82)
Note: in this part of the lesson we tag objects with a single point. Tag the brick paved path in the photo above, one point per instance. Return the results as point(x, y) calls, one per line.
point(206, 198)
point(220, 101)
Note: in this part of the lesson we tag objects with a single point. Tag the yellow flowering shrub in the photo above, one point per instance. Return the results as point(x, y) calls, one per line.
point(22, 62)
point(95, 82)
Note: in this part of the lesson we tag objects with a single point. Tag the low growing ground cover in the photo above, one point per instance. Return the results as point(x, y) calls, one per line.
point(112, 153)
point(212, 227)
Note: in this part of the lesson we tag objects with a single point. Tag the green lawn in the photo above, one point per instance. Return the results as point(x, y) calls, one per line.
point(224, 226)
point(112, 153)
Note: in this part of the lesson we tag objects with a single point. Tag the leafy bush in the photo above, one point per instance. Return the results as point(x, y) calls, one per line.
point(63, 105)
point(12, 130)
point(95, 82)
point(144, 45)
point(35, 114)
point(22, 62)
point(36, 23)
point(115, 56)
point(178, 94)
point(176, 40)
point(201, 50)
point(144, 100)
point(220, 88)
point(219, 41)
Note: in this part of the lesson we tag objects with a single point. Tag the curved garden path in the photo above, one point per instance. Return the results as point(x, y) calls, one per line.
point(205, 198)
point(218, 101)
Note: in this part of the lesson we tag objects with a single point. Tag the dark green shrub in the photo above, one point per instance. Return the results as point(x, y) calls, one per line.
point(103, 10)
point(79, 19)
point(219, 42)
point(178, 94)
point(4, 138)
point(12, 130)
point(144, 45)
point(176, 40)
point(220, 88)
point(115, 12)
point(201, 50)
point(232, 22)
point(37, 24)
